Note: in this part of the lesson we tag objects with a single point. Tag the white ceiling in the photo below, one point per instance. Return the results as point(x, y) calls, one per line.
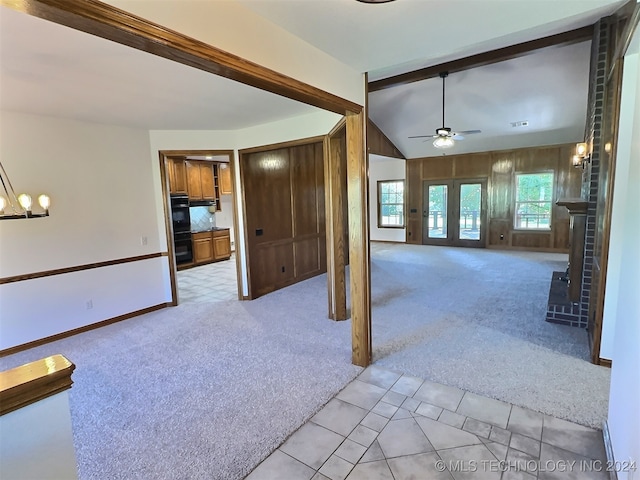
point(396, 37)
point(52, 70)
point(547, 89)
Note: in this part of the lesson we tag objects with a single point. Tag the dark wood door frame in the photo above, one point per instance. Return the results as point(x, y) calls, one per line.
point(453, 213)
point(335, 165)
point(164, 178)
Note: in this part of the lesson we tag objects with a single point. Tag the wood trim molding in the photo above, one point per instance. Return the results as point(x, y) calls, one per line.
point(334, 171)
point(78, 268)
point(35, 381)
point(576, 206)
point(288, 144)
point(168, 225)
point(485, 58)
point(86, 328)
point(198, 152)
point(626, 36)
point(239, 253)
point(605, 362)
point(107, 21)
point(359, 258)
point(342, 123)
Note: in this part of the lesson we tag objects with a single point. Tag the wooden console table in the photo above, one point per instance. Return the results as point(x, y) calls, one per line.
point(577, 223)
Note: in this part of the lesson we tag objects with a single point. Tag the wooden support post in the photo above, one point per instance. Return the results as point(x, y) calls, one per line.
point(335, 163)
point(357, 191)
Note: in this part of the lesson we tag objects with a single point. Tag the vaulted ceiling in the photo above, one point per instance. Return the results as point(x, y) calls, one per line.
point(52, 70)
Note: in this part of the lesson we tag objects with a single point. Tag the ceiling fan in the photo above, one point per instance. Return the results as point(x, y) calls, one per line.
point(444, 137)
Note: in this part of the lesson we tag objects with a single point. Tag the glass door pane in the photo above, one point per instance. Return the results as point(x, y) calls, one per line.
point(470, 210)
point(437, 211)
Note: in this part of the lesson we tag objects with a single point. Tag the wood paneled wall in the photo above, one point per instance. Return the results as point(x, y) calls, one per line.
point(499, 168)
point(379, 144)
point(285, 215)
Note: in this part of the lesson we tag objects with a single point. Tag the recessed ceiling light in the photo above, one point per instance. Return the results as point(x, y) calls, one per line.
point(375, 1)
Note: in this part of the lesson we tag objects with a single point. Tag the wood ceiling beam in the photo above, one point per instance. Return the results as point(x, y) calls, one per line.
point(486, 58)
point(111, 23)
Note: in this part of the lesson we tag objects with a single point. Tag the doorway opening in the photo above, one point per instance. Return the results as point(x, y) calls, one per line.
point(455, 212)
point(201, 219)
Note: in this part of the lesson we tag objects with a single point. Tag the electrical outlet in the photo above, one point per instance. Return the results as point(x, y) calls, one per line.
point(89, 304)
point(143, 240)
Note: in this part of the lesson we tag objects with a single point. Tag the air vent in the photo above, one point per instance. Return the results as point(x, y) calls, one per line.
point(523, 123)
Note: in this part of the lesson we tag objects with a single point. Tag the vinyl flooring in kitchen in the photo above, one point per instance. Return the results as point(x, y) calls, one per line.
point(214, 282)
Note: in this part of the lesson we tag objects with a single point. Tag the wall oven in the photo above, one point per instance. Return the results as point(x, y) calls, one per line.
point(180, 213)
point(183, 247)
point(181, 229)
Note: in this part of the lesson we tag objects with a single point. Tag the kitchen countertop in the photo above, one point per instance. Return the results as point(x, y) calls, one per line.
point(213, 229)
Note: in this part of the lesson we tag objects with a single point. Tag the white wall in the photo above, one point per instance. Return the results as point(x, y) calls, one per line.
point(38, 441)
point(236, 29)
point(100, 182)
point(224, 218)
point(621, 337)
point(318, 123)
point(383, 168)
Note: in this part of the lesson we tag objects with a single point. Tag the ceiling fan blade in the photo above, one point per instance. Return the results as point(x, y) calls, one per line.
point(424, 136)
point(457, 136)
point(468, 132)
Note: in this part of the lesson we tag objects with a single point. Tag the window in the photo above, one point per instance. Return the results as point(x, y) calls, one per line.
point(534, 194)
point(391, 204)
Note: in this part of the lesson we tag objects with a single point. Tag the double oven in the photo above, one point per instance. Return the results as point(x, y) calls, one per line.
point(181, 229)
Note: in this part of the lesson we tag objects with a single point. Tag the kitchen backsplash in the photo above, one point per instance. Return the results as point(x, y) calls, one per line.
point(201, 218)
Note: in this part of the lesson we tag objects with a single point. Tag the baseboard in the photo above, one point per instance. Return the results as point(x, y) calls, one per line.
point(608, 448)
point(75, 331)
point(605, 362)
point(388, 241)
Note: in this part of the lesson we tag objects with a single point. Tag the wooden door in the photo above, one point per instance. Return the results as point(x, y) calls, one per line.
point(177, 176)
point(194, 183)
point(202, 247)
point(221, 247)
point(207, 182)
point(224, 179)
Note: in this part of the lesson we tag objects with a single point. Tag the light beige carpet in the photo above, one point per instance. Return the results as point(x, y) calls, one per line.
point(208, 390)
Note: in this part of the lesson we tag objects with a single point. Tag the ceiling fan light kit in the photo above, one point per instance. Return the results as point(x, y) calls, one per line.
point(444, 142)
point(444, 137)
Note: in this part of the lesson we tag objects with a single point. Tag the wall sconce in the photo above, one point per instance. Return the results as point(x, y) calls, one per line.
point(20, 205)
point(581, 156)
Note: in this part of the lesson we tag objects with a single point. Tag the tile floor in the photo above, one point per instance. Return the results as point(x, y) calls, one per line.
point(214, 282)
point(389, 426)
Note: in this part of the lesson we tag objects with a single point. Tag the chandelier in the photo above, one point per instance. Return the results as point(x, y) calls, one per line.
point(19, 206)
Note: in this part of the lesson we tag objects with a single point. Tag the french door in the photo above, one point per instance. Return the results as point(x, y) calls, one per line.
point(454, 212)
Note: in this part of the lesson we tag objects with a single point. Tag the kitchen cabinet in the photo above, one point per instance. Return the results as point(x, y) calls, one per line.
point(211, 246)
point(224, 178)
point(202, 247)
point(200, 180)
point(177, 172)
point(221, 244)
